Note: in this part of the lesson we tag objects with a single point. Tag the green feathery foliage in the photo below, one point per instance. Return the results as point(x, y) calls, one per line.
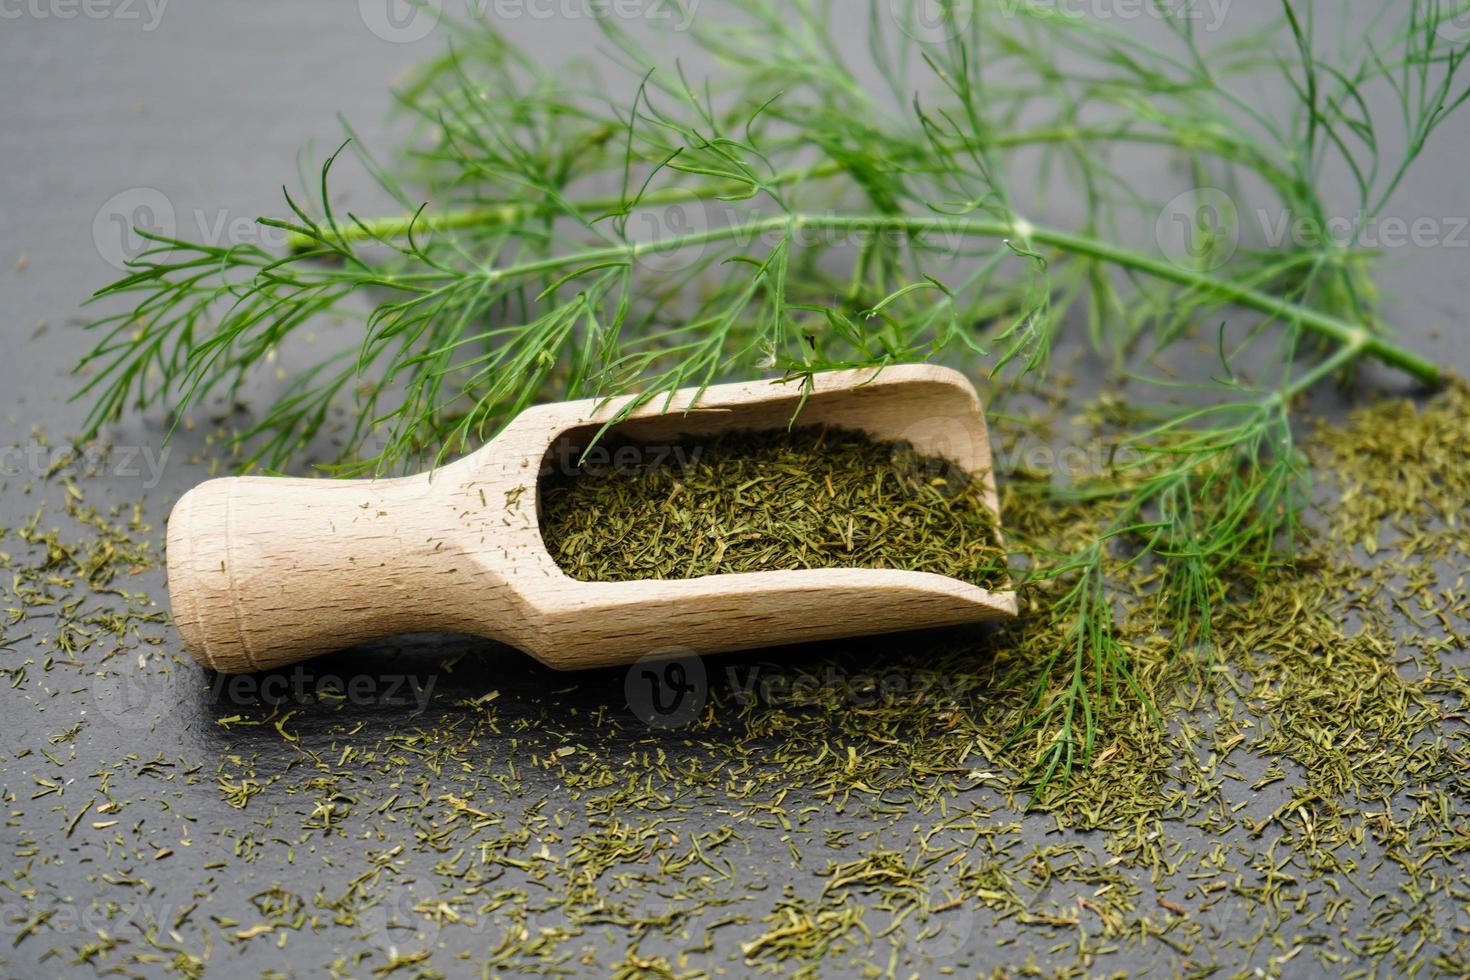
point(557, 238)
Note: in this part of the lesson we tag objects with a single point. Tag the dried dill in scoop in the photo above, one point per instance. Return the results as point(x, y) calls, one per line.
point(747, 501)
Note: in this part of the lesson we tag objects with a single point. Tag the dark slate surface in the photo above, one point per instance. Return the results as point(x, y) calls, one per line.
point(193, 113)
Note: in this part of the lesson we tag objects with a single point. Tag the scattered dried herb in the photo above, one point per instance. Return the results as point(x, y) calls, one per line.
point(742, 501)
point(1299, 808)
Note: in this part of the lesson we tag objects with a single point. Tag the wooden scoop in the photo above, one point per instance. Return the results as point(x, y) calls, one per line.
point(266, 571)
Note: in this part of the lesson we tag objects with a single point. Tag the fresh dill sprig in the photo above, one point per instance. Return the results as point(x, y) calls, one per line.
point(569, 232)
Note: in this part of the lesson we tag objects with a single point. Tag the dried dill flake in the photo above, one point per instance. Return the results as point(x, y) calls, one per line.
point(768, 501)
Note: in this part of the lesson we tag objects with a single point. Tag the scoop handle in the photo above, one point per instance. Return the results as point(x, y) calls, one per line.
point(268, 571)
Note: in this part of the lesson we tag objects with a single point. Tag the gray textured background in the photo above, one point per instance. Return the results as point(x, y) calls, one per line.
point(206, 107)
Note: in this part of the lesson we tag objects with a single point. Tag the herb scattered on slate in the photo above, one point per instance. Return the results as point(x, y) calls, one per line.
point(1297, 807)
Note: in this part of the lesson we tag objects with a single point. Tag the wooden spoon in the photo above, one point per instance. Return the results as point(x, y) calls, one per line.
point(267, 571)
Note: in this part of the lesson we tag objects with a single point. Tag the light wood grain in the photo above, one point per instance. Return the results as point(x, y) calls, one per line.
point(267, 571)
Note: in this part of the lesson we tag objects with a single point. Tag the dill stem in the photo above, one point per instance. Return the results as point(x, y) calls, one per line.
point(1353, 336)
point(509, 212)
point(1350, 351)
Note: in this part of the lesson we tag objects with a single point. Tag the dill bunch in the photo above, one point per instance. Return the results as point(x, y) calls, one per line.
point(620, 225)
